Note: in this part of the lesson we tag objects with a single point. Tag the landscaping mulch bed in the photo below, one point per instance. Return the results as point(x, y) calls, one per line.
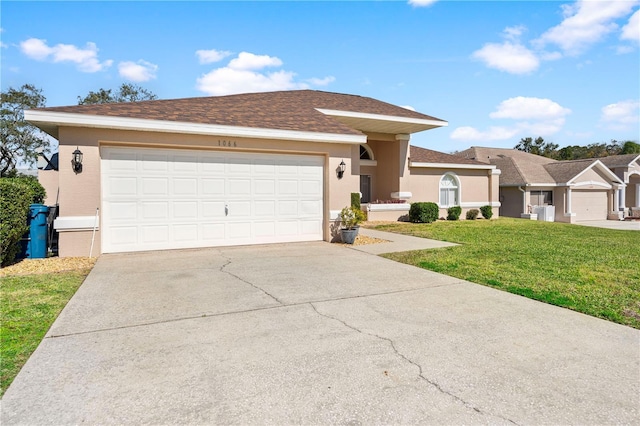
point(361, 240)
point(48, 265)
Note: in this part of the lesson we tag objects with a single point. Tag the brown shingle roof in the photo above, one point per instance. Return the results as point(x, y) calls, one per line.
point(424, 155)
point(564, 171)
point(286, 110)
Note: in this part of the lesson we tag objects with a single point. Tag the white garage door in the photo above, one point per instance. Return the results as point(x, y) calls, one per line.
point(589, 205)
point(156, 199)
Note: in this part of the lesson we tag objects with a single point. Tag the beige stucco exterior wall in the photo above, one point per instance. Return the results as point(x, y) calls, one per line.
point(49, 181)
point(384, 176)
point(80, 194)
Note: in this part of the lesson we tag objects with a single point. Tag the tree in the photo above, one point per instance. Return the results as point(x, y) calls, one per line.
point(21, 141)
point(630, 147)
point(538, 147)
point(126, 93)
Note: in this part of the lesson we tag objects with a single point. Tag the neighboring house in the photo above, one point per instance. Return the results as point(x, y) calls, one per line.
point(578, 190)
point(240, 169)
point(627, 168)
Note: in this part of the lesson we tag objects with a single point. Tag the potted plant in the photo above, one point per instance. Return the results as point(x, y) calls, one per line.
point(350, 218)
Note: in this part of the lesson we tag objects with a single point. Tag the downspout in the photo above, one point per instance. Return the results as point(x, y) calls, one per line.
point(524, 199)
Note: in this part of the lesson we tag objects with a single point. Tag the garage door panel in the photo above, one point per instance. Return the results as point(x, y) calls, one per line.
point(155, 186)
point(161, 199)
point(213, 209)
point(185, 186)
point(154, 210)
point(265, 208)
point(116, 186)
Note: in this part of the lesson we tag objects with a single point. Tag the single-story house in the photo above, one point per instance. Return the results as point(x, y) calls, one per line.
point(241, 169)
point(627, 168)
point(561, 191)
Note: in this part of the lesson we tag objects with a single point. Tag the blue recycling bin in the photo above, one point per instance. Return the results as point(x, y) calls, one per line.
point(38, 231)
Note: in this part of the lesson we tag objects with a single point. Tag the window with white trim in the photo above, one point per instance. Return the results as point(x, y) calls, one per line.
point(449, 191)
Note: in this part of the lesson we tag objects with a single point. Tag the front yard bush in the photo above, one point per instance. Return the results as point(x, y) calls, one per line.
point(486, 211)
point(16, 194)
point(472, 214)
point(355, 200)
point(453, 213)
point(423, 212)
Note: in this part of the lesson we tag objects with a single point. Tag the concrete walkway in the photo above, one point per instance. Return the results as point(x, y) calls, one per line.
point(316, 333)
point(397, 242)
point(623, 225)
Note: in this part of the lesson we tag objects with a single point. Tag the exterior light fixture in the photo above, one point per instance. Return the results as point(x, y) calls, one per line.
point(76, 161)
point(341, 169)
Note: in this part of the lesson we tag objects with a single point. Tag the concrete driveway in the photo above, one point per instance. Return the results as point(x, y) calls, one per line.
point(315, 333)
point(622, 225)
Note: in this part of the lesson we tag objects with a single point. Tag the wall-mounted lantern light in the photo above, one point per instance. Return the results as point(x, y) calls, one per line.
point(340, 170)
point(76, 161)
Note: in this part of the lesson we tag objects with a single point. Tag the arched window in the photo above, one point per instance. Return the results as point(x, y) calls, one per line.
point(449, 190)
point(366, 153)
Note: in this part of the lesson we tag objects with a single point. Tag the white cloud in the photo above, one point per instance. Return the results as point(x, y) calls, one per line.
point(621, 115)
point(510, 57)
point(322, 81)
point(631, 31)
point(137, 71)
point(467, 133)
point(409, 107)
point(86, 59)
point(514, 33)
point(523, 108)
point(541, 117)
point(245, 74)
point(421, 3)
point(249, 61)
point(585, 23)
point(210, 56)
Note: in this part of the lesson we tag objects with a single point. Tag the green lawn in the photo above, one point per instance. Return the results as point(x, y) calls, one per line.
point(590, 270)
point(28, 306)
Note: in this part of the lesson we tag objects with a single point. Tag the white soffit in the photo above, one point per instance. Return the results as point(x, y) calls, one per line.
point(49, 121)
point(382, 123)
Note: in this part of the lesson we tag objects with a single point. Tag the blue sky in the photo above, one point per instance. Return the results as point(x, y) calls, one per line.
point(496, 71)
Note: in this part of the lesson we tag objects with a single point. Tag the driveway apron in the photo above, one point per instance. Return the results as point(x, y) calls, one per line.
point(316, 333)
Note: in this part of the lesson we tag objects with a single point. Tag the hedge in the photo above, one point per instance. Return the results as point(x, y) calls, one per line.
point(472, 214)
point(453, 213)
point(16, 194)
point(486, 211)
point(423, 212)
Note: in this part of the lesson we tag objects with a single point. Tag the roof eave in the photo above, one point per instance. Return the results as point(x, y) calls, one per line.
point(380, 123)
point(50, 121)
point(451, 165)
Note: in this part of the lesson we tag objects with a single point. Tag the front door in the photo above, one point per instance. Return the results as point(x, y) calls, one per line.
point(365, 188)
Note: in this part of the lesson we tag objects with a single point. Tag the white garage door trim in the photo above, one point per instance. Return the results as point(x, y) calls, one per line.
point(589, 205)
point(155, 199)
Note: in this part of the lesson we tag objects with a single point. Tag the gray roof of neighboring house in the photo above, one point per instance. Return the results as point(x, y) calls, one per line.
point(522, 168)
point(624, 160)
point(295, 110)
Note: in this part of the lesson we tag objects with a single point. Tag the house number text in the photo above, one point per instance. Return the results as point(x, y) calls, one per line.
point(229, 144)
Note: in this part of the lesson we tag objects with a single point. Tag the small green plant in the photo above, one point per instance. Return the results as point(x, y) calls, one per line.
point(453, 213)
point(423, 212)
point(472, 214)
point(351, 217)
point(355, 200)
point(486, 211)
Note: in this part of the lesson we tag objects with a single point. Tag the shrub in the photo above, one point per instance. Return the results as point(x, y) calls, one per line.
point(472, 214)
point(486, 211)
point(38, 191)
point(350, 217)
point(453, 213)
point(15, 198)
point(355, 200)
point(423, 212)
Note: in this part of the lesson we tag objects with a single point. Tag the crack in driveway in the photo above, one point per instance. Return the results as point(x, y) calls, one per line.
point(410, 361)
point(228, 262)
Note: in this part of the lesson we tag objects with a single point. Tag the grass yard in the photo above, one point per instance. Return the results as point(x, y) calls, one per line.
point(28, 306)
point(590, 270)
